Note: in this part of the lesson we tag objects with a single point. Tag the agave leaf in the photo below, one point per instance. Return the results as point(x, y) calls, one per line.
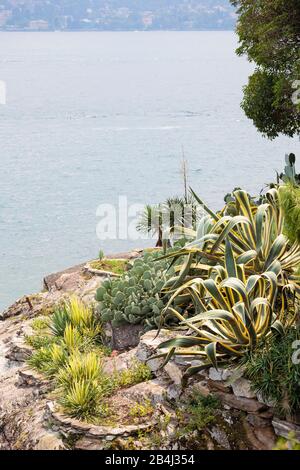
point(278, 327)
point(196, 369)
point(238, 286)
point(277, 249)
point(230, 260)
point(241, 266)
point(216, 294)
point(201, 203)
point(181, 342)
point(239, 219)
point(259, 221)
point(211, 352)
point(168, 357)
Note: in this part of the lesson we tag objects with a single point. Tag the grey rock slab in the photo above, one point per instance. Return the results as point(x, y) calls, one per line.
point(268, 403)
point(124, 361)
point(174, 372)
point(18, 350)
point(49, 441)
point(148, 347)
point(89, 444)
point(219, 435)
point(242, 388)
point(284, 428)
point(125, 336)
point(31, 378)
point(244, 404)
point(153, 390)
point(215, 374)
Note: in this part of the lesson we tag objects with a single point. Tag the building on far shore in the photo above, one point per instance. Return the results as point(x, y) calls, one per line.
point(38, 25)
point(4, 16)
point(147, 19)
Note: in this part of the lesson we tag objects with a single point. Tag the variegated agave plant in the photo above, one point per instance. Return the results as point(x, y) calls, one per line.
point(257, 240)
point(231, 312)
point(236, 282)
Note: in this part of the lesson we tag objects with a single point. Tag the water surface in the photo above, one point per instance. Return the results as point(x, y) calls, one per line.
point(90, 116)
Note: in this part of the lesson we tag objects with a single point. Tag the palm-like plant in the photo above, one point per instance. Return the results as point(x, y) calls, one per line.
point(164, 219)
point(151, 222)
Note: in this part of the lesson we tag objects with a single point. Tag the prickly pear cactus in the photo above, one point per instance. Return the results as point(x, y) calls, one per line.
point(136, 296)
point(289, 174)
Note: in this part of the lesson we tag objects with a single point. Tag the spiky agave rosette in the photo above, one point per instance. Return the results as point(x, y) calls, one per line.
point(236, 283)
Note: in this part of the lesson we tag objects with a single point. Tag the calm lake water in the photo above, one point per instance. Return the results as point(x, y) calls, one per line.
point(90, 116)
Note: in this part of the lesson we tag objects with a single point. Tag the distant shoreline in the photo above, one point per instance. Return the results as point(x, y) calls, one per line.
point(114, 30)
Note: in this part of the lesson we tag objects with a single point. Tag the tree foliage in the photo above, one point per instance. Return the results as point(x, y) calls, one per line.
point(269, 34)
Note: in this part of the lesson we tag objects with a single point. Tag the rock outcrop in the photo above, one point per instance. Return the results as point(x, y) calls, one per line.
point(29, 419)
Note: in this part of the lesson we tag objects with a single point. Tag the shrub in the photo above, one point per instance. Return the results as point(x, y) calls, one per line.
point(273, 371)
point(140, 410)
point(199, 411)
point(38, 340)
point(291, 443)
point(40, 324)
point(66, 354)
point(49, 359)
point(74, 319)
point(115, 266)
point(202, 411)
point(290, 203)
point(137, 373)
point(81, 399)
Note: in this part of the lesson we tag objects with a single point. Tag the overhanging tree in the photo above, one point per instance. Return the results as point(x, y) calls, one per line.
point(269, 34)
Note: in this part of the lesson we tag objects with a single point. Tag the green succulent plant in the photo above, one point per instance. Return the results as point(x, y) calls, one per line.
point(290, 175)
point(256, 237)
point(237, 282)
point(135, 298)
point(231, 313)
point(73, 315)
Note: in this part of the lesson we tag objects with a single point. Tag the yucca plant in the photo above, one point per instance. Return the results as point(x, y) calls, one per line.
point(150, 222)
point(81, 399)
point(74, 315)
point(231, 312)
point(59, 321)
point(83, 385)
point(49, 359)
point(72, 338)
point(80, 315)
point(80, 367)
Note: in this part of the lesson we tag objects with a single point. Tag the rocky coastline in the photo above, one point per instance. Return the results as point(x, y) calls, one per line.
point(30, 418)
